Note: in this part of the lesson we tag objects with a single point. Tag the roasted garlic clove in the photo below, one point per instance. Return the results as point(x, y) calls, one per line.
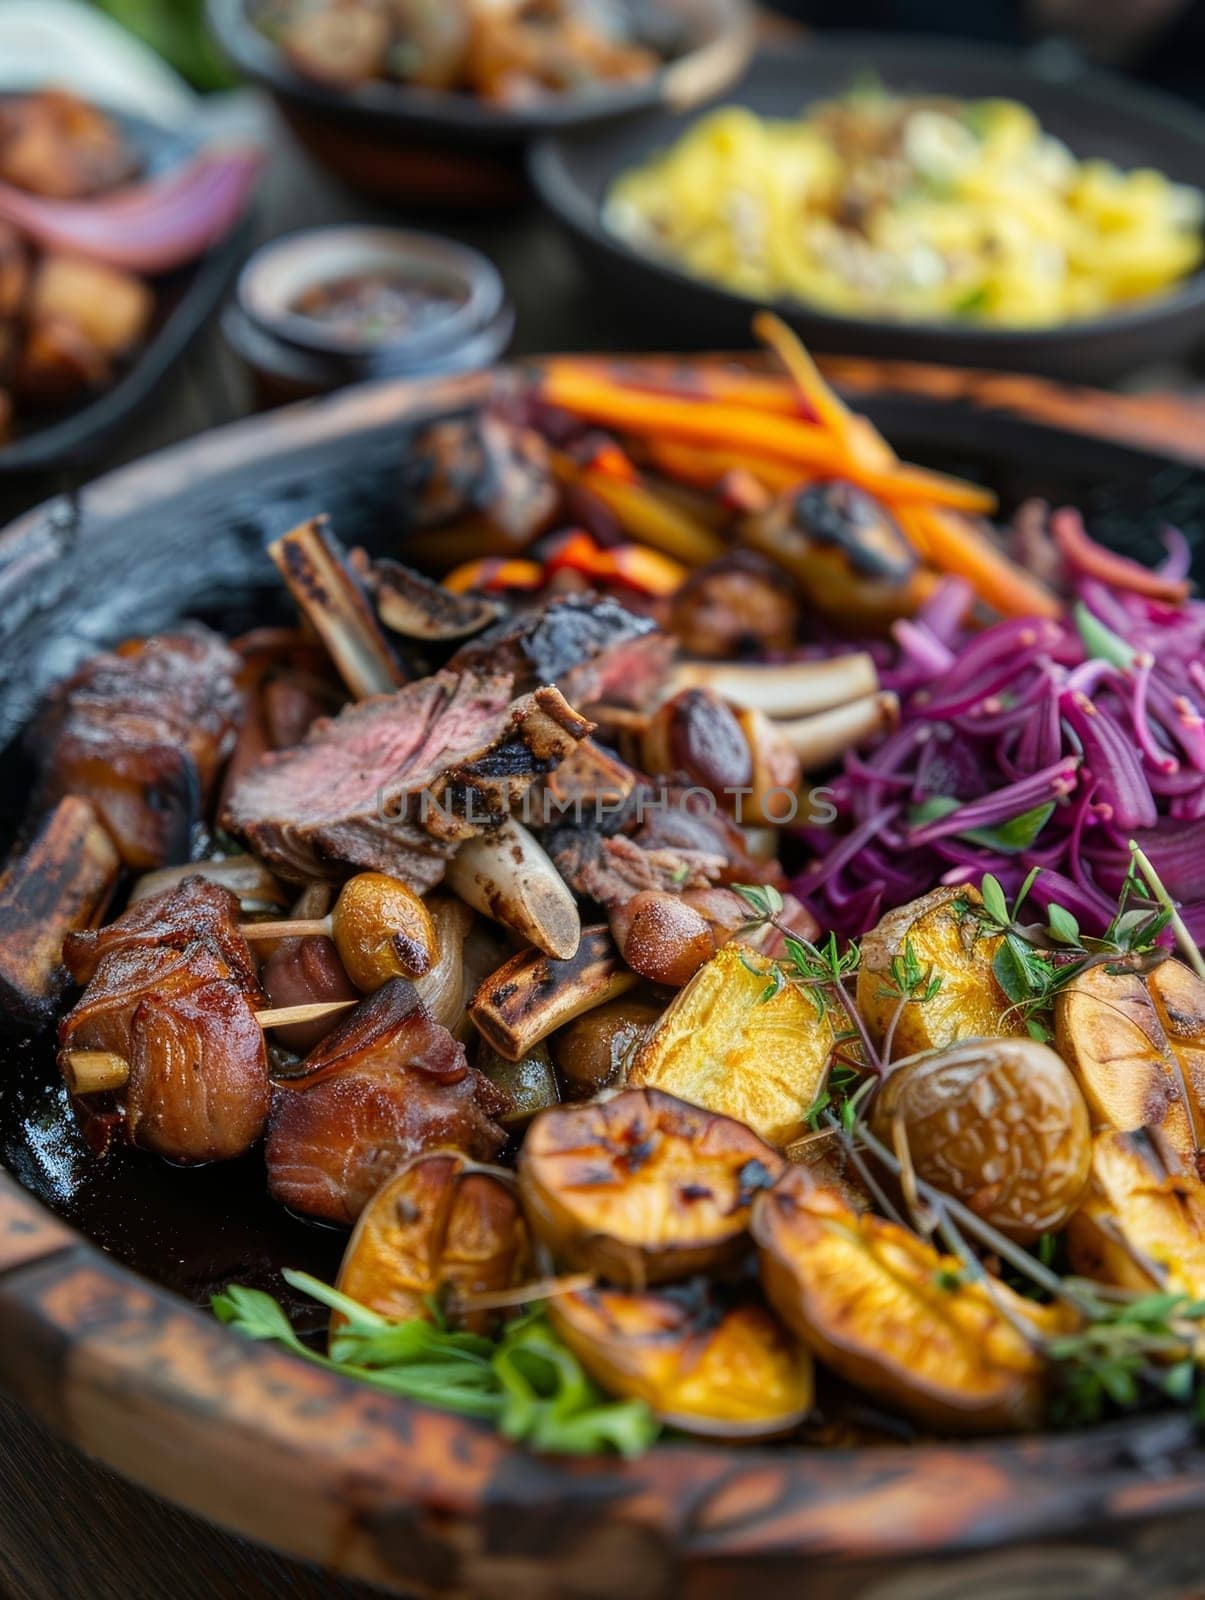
point(723, 1374)
point(1000, 1124)
point(642, 1188)
point(738, 1042)
point(889, 1314)
point(946, 942)
point(443, 1229)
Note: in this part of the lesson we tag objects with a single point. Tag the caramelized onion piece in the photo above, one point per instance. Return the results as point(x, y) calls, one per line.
point(721, 1374)
point(641, 1187)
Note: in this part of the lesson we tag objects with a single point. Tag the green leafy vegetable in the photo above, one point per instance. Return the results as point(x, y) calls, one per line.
point(526, 1382)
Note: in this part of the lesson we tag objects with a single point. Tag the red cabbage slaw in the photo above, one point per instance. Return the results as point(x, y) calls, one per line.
point(1032, 743)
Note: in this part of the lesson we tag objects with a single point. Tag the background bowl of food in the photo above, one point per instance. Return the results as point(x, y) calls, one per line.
point(432, 102)
point(930, 201)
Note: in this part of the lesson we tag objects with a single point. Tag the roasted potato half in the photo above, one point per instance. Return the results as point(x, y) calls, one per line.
point(444, 1227)
point(730, 1045)
point(947, 938)
point(998, 1123)
point(888, 1313)
point(723, 1373)
point(1142, 1226)
point(1137, 1046)
point(641, 1187)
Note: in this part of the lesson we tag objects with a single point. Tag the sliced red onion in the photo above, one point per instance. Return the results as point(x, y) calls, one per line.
point(1113, 761)
point(149, 227)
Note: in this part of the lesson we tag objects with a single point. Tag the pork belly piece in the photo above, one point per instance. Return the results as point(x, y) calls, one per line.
point(142, 732)
point(195, 909)
point(393, 784)
point(197, 1088)
point(384, 1085)
point(592, 648)
point(60, 884)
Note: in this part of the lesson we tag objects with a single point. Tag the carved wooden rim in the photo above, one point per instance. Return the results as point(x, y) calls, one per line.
point(387, 1491)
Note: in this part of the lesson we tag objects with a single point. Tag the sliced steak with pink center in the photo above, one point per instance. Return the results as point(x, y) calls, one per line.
point(394, 783)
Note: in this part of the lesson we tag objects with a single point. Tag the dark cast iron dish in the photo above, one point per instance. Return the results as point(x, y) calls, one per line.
point(1093, 113)
point(449, 149)
point(184, 301)
point(103, 1268)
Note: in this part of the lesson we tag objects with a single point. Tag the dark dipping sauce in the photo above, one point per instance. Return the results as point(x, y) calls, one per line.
point(372, 307)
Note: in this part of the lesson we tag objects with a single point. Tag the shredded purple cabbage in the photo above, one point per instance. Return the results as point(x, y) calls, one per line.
point(1033, 743)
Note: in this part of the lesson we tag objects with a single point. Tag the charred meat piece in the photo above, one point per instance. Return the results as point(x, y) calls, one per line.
point(141, 732)
point(486, 472)
point(612, 870)
point(593, 649)
point(196, 909)
point(684, 820)
point(60, 884)
point(197, 1084)
point(396, 782)
point(383, 1086)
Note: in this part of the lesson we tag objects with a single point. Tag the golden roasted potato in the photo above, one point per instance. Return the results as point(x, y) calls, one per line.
point(999, 1124)
point(723, 1045)
point(1142, 1224)
point(594, 1052)
point(888, 1313)
point(443, 1227)
point(949, 939)
point(382, 930)
point(1136, 1046)
point(729, 1374)
point(112, 309)
point(641, 1187)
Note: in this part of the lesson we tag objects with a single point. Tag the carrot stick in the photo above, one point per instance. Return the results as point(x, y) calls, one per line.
point(705, 465)
point(960, 547)
point(855, 434)
point(694, 380)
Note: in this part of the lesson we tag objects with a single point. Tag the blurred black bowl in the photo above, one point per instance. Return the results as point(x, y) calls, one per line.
point(1094, 114)
point(402, 142)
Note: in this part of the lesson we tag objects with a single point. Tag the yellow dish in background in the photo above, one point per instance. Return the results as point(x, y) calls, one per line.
point(913, 208)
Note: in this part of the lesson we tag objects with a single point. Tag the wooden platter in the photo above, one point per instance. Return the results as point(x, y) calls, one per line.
point(414, 1501)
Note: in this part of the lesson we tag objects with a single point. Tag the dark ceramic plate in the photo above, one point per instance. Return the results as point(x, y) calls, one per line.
point(1095, 115)
point(397, 140)
point(373, 1486)
point(184, 300)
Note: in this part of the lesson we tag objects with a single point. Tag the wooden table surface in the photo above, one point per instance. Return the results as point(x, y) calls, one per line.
point(68, 1529)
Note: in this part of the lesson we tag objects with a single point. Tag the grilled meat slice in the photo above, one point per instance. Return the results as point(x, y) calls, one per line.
point(142, 732)
point(592, 648)
point(394, 783)
point(486, 475)
point(384, 1085)
point(611, 870)
point(687, 820)
point(62, 882)
point(195, 909)
point(198, 1073)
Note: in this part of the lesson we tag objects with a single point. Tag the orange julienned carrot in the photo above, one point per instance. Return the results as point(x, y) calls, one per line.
point(829, 409)
point(957, 546)
point(694, 380)
point(644, 514)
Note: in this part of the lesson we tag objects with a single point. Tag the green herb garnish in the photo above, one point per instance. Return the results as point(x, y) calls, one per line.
point(526, 1382)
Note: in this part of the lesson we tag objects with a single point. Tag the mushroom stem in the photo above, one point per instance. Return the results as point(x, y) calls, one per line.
point(93, 1071)
point(285, 1016)
point(507, 875)
point(790, 689)
point(820, 739)
point(315, 568)
point(295, 928)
